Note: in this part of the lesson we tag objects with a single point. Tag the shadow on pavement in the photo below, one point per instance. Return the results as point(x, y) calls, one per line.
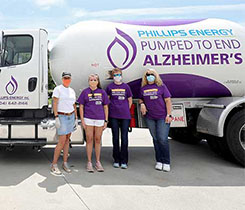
point(192, 165)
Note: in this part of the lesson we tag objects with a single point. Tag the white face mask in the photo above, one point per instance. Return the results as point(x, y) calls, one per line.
point(118, 79)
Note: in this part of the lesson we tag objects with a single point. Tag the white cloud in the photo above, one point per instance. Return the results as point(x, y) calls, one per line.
point(203, 9)
point(46, 4)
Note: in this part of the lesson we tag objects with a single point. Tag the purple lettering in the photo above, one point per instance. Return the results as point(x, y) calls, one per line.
point(148, 60)
point(207, 44)
point(156, 61)
point(204, 60)
point(186, 59)
point(218, 44)
point(172, 44)
point(224, 58)
point(236, 44)
point(176, 59)
point(165, 61)
point(188, 44)
point(238, 58)
point(143, 45)
point(215, 58)
point(198, 43)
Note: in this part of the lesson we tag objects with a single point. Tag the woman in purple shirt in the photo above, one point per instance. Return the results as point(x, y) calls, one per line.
point(155, 105)
point(94, 117)
point(119, 117)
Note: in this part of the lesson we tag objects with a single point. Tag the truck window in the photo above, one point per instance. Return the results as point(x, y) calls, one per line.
point(17, 49)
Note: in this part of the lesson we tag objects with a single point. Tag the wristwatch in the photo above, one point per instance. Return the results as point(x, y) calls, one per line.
point(106, 121)
point(55, 116)
point(169, 115)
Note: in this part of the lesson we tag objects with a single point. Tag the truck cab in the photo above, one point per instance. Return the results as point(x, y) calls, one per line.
point(24, 73)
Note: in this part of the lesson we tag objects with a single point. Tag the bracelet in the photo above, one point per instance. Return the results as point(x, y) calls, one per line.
point(55, 116)
point(106, 121)
point(169, 115)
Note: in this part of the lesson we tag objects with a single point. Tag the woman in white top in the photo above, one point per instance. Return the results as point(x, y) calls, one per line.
point(64, 107)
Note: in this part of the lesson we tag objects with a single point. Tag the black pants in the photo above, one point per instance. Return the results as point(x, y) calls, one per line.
point(120, 155)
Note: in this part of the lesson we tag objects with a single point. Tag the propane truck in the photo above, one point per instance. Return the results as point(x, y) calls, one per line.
point(201, 62)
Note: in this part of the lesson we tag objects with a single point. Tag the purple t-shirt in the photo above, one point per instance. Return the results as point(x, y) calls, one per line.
point(93, 103)
point(153, 97)
point(119, 106)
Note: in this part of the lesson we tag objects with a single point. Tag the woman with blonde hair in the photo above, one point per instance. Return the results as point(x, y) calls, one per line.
point(155, 105)
point(94, 117)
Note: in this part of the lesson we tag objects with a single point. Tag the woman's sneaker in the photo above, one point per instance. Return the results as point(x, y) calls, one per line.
point(158, 166)
point(116, 165)
point(124, 166)
point(99, 167)
point(55, 170)
point(66, 167)
point(90, 167)
point(166, 167)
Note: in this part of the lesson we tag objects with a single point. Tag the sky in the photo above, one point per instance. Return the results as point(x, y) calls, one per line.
point(56, 15)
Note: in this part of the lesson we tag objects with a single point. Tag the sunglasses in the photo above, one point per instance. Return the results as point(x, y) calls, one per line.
point(66, 78)
point(117, 75)
point(149, 74)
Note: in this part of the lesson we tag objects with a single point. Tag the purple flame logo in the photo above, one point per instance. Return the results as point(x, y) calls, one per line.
point(126, 63)
point(11, 86)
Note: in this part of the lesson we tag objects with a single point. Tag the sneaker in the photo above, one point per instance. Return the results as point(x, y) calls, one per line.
point(124, 166)
point(116, 165)
point(90, 167)
point(99, 167)
point(166, 167)
point(55, 170)
point(158, 166)
point(66, 167)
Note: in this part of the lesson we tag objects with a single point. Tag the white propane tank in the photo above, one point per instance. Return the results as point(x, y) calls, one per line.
point(195, 58)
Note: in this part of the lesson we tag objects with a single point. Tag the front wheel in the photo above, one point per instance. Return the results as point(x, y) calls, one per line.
point(235, 136)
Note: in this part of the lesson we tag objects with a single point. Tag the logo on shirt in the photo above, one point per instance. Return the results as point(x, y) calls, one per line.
point(127, 44)
point(97, 97)
point(150, 92)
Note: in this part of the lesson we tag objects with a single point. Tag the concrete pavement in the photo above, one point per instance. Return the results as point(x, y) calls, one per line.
point(199, 179)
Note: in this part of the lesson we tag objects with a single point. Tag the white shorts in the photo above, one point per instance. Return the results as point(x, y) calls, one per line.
point(91, 122)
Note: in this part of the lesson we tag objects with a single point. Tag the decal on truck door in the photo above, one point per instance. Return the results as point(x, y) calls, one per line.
point(11, 86)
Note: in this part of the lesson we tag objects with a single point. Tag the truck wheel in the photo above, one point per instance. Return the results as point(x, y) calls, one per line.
point(184, 135)
point(235, 136)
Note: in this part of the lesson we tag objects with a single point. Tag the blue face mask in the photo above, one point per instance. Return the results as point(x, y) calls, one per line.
point(150, 78)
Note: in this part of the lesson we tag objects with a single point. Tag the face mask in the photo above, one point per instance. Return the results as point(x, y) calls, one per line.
point(150, 78)
point(118, 78)
point(66, 82)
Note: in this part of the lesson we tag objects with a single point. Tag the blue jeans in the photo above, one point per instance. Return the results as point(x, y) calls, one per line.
point(159, 131)
point(120, 155)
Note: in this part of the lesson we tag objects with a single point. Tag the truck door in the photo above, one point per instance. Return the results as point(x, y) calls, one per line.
point(19, 88)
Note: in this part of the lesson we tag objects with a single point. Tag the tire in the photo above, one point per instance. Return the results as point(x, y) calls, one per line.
point(184, 135)
point(235, 136)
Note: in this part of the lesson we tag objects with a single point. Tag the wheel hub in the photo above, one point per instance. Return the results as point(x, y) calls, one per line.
point(242, 136)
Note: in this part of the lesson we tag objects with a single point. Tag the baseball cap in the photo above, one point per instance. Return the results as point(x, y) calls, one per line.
point(66, 74)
